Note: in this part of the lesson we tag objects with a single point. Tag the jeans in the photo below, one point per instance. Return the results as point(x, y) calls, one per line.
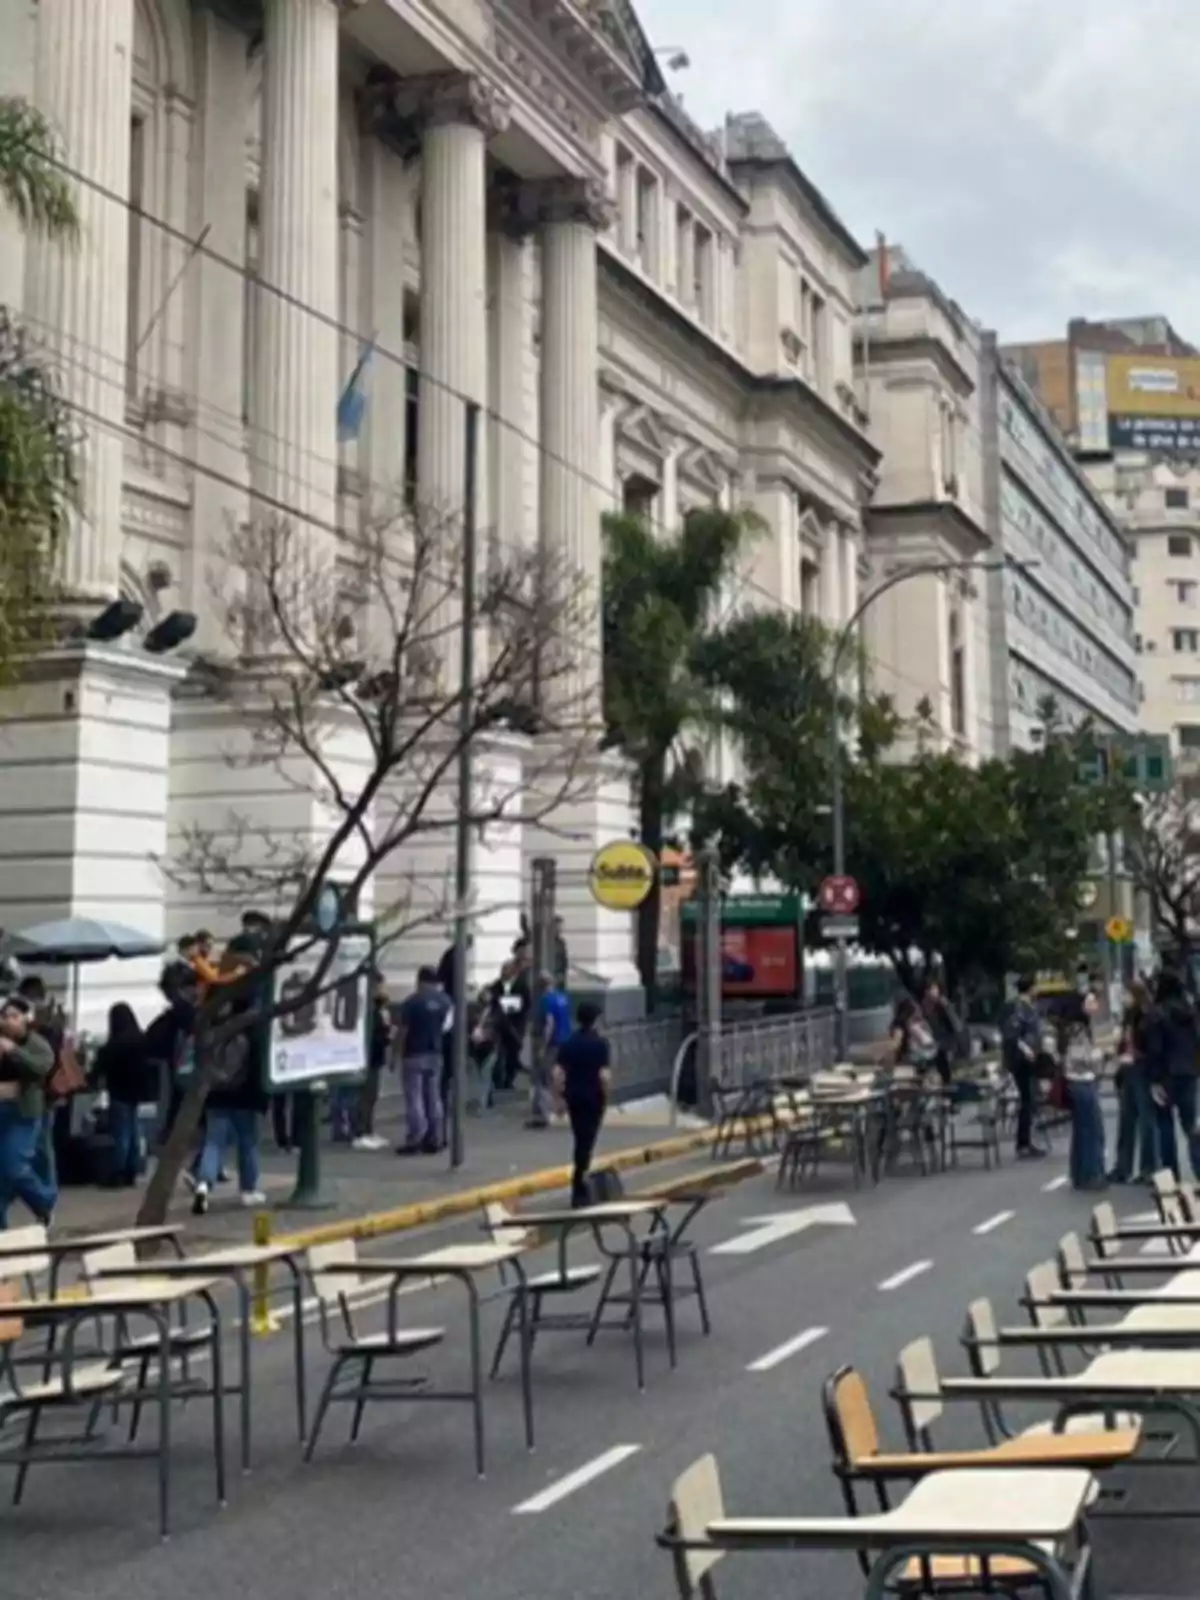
point(237, 1127)
point(540, 1105)
point(368, 1099)
point(1086, 1160)
point(586, 1113)
point(1025, 1079)
point(423, 1113)
point(345, 1102)
point(45, 1163)
point(283, 1120)
point(22, 1165)
point(1137, 1127)
point(126, 1135)
point(1181, 1098)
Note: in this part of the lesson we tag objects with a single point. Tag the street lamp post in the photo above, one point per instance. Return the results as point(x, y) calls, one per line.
point(923, 569)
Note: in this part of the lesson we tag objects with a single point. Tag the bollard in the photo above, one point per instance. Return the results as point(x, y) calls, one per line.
point(263, 1320)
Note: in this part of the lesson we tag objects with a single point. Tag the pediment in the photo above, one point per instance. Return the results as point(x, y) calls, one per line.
point(701, 466)
point(648, 431)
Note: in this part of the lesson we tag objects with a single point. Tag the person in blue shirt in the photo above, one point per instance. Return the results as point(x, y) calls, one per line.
point(552, 1024)
point(583, 1078)
point(421, 1021)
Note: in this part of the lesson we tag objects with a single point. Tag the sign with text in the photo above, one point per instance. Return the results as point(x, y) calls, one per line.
point(321, 1035)
point(761, 956)
point(1164, 435)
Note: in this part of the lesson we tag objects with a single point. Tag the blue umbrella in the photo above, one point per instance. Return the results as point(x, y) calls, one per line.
point(76, 939)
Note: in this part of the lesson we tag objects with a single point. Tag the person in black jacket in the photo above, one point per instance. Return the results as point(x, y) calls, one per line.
point(1172, 1048)
point(236, 1100)
point(123, 1067)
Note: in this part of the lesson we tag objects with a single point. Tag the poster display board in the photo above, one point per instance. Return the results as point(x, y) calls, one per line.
point(323, 1037)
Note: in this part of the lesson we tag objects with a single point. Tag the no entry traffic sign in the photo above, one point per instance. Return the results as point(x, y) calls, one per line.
point(839, 896)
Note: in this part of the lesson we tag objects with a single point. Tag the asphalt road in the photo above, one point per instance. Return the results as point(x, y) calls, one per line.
point(402, 1512)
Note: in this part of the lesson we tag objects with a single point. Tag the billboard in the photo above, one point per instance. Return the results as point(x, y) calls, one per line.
point(1154, 403)
point(761, 955)
point(325, 1035)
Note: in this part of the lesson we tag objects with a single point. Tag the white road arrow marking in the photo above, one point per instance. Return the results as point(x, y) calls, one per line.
point(773, 1230)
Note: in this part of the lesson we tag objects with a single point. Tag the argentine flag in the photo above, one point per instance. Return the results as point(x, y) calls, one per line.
point(353, 403)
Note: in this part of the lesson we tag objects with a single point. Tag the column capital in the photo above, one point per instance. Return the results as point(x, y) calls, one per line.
point(401, 109)
point(585, 200)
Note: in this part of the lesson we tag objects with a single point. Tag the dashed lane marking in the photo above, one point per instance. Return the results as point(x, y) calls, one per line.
point(905, 1275)
point(783, 1352)
point(993, 1223)
point(588, 1473)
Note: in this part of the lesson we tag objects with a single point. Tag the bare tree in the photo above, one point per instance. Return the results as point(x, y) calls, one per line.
point(361, 653)
point(1163, 850)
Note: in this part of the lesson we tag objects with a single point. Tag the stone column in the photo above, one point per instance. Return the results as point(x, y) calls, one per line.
point(76, 293)
point(294, 404)
point(459, 114)
point(573, 213)
point(849, 573)
point(510, 379)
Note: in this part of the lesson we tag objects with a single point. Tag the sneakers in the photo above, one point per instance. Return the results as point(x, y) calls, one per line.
point(200, 1200)
point(252, 1197)
point(369, 1141)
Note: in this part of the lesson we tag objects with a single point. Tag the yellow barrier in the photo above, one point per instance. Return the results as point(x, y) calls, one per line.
point(466, 1201)
point(263, 1320)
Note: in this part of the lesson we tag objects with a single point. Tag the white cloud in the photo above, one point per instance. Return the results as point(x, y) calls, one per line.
point(1038, 157)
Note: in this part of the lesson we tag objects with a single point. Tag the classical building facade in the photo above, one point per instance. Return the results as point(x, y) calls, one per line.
point(500, 193)
point(929, 637)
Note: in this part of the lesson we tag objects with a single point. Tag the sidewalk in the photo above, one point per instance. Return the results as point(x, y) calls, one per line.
point(357, 1183)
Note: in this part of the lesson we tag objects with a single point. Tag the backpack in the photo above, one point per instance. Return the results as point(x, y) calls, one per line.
point(66, 1077)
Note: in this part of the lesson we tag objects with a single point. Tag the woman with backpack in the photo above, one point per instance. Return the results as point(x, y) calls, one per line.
point(124, 1068)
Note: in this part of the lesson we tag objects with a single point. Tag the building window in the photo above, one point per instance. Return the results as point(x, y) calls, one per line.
point(683, 255)
point(1185, 641)
point(1188, 734)
point(1175, 499)
point(250, 306)
point(817, 341)
point(702, 274)
point(1187, 690)
point(647, 222)
point(639, 495)
point(958, 678)
point(1179, 544)
point(133, 280)
point(412, 432)
point(810, 589)
point(1185, 590)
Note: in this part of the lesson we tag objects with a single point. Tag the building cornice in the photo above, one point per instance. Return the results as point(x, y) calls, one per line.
point(765, 386)
point(660, 108)
point(874, 352)
point(784, 167)
point(962, 527)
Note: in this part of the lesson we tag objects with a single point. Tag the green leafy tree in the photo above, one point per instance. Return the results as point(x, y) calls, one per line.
point(660, 595)
point(38, 441)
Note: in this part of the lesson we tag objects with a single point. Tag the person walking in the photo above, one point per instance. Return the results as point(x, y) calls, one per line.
point(1022, 1045)
point(420, 1024)
point(1137, 1123)
point(553, 1026)
point(126, 1070)
point(583, 1076)
point(946, 1028)
point(26, 1062)
point(1172, 1044)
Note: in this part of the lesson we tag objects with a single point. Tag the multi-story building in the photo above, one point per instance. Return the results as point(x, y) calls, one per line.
point(1129, 394)
point(505, 195)
point(928, 638)
point(1062, 604)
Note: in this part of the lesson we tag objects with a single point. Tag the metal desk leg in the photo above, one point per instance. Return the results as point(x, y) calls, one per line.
point(526, 1336)
point(476, 1372)
point(298, 1346)
point(635, 1302)
point(218, 1397)
point(244, 1363)
point(163, 1319)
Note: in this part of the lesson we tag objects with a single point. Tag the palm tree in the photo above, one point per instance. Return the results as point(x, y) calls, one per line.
point(660, 594)
point(38, 438)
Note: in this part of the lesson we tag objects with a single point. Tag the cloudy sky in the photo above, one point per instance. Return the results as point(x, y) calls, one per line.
point(1040, 158)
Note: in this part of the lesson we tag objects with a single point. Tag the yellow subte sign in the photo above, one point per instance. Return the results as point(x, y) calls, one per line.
point(621, 875)
point(1119, 929)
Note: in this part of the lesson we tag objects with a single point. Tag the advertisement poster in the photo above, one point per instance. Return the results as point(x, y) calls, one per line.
point(325, 1037)
point(760, 947)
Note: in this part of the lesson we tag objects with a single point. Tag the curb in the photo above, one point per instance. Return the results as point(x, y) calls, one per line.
point(464, 1201)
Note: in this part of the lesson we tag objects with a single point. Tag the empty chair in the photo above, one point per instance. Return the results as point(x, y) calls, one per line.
point(1072, 1263)
point(127, 1347)
point(542, 1286)
point(922, 1402)
point(354, 1355)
